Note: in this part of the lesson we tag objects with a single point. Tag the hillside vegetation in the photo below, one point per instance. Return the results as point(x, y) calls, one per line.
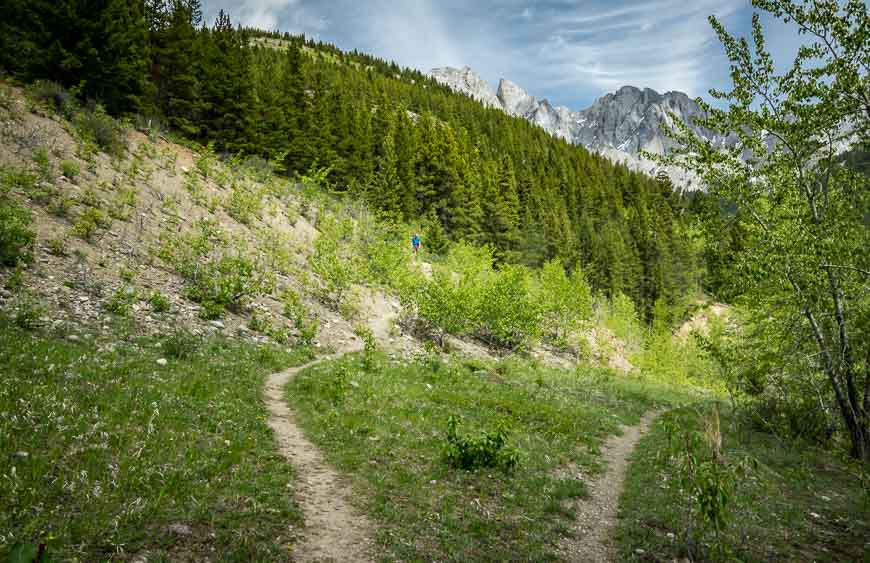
point(186, 212)
point(411, 148)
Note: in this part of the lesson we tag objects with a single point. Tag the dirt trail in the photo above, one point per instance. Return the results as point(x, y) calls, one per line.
point(596, 516)
point(334, 531)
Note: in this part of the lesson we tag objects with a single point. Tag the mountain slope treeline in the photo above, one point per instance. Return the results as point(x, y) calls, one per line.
point(416, 150)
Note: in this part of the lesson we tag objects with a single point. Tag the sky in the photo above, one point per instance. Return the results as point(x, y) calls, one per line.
point(570, 52)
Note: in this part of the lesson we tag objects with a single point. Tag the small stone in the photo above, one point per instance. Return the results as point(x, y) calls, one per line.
point(21, 455)
point(162, 362)
point(639, 551)
point(179, 529)
point(218, 324)
point(73, 338)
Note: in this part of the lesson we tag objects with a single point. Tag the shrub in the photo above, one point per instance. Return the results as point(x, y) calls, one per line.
point(159, 302)
point(16, 237)
point(260, 322)
point(295, 310)
point(43, 164)
point(15, 179)
point(127, 274)
point(564, 301)
point(89, 222)
point(122, 301)
point(245, 202)
point(181, 345)
point(489, 449)
point(60, 205)
point(451, 301)
point(706, 476)
point(70, 169)
point(225, 282)
point(508, 315)
point(123, 204)
point(15, 281)
point(370, 345)
point(58, 246)
point(335, 259)
point(207, 161)
point(101, 129)
point(26, 312)
point(54, 96)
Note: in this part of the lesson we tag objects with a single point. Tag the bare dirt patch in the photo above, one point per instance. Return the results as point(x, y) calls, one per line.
point(596, 516)
point(334, 530)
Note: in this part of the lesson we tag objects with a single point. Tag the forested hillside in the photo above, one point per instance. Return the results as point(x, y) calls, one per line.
point(417, 151)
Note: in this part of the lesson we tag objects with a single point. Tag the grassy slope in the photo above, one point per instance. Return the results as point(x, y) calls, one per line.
point(799, 505)
point(118, 448)
point(386, 425)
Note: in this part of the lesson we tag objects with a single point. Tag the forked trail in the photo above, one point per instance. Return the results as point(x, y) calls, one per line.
point(596, 516)
point(333, 530)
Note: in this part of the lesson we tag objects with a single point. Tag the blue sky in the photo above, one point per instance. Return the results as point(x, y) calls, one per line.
point(570, 52)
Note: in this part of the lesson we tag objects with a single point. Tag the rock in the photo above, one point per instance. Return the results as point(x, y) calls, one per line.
point(179, 530)
point(161, 362)
point(468, 82)
point(72, 338)
point(218, 325)
point(618, 125)
point(21, 455)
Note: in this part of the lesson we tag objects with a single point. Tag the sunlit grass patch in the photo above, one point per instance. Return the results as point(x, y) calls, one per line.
point(387, 426)
point(798, 504)
point(131, 447)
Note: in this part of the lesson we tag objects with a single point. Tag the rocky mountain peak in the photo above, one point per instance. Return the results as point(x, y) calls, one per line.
point(619, 125)
point(468, 82)
point(515, 100)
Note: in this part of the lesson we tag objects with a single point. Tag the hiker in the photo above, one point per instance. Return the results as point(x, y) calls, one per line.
point(415, 242)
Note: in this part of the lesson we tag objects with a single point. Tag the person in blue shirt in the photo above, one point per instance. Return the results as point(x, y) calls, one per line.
point(415, 242)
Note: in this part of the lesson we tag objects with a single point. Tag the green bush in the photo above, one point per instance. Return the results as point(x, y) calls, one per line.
point(43, 164)
point(58, 246)
point(16, 237)
point(70, 169)
point(181, 345)
point(16, 179)
point(122, 301)
point(245, 202)
point(225, 282)
point(370, 345)
point(60, 205)
point(489, 449)
point(508, 315)
point(565, 301)
point(451, 301)
point(101, 129)
point(159, 302)
point(89, 222)
point(53, 95)
point(335, 259)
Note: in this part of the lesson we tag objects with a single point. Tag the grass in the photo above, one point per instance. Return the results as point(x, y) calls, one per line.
point(102, 449)
point(800, 504)
point(386, 426)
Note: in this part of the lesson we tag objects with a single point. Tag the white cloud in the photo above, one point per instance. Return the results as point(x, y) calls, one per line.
point(288, 15)
point(413, 32)
point(664, 45)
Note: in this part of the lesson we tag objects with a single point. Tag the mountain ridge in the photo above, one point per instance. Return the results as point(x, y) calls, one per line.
point(620, 125)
